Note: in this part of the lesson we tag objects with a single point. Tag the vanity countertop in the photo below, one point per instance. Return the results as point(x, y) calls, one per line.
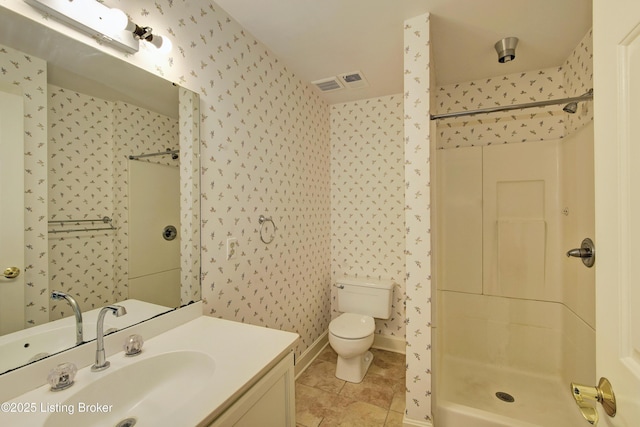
point(237, 356)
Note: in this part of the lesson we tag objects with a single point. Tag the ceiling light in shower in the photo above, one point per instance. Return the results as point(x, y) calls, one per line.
point(506, 49)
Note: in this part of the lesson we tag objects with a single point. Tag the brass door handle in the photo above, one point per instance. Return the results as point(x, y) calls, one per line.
point(603, 393)
point(11, 272)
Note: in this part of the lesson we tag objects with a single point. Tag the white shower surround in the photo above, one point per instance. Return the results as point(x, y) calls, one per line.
point(566, 322)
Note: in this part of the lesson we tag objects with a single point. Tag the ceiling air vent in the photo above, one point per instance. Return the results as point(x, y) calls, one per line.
point(354, 80)
point(328, 85)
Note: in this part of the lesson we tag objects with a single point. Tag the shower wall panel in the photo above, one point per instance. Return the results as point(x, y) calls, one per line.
point(154, 203)
point(521, 232)
point(460, 225)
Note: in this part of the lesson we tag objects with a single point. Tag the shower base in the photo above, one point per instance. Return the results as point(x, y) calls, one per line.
point(466, 396)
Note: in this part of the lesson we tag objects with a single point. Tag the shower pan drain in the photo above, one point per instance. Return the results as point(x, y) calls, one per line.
point(505, 397)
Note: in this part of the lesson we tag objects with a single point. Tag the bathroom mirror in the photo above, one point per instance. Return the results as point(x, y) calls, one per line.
point(93, 228)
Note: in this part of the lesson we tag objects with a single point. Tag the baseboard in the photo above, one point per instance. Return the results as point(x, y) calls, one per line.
point(389, 343)
point(311, 353)
point(406, 422)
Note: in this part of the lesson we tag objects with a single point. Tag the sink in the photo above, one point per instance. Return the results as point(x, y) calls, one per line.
point(146, 392)
point(187, 375)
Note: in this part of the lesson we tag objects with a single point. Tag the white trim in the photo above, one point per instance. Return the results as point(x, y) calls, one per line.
point(406, 422)
point(389, 343)
point(310, 354)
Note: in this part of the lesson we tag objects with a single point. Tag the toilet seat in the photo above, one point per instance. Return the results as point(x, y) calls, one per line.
point(352, 326)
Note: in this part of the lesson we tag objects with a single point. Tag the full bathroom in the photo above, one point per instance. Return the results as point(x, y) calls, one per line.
point(292, 196)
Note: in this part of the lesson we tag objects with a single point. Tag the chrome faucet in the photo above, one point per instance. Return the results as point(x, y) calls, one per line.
point(101, 360)
point(57, 295)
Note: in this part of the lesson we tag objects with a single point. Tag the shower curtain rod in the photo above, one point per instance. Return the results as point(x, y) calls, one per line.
point(161, 153)
point(585, 97)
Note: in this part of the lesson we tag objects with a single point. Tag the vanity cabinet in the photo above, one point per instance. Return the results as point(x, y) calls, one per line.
point(270, 402)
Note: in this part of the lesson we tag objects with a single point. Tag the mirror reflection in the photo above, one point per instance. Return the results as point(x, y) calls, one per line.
point(108, 208)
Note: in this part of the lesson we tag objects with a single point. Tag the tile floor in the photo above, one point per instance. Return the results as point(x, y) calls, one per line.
point(322, 400)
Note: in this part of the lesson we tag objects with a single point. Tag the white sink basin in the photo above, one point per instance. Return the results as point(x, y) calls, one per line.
point(146, 391)
point(186, 376)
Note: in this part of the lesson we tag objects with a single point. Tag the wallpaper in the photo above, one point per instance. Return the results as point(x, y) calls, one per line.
point(80, 187)
point(189, 120)
point(89, 142)
point(265, 151)
point(417, 147)
point(30, 74)
point(573, 78)
point(367, 198)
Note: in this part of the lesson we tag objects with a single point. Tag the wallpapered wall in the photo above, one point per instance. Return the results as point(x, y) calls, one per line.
point(573, 78)
point(30, 75)
point(367, 198)
point(265, 150)
point(417, 147)
point(89, 141)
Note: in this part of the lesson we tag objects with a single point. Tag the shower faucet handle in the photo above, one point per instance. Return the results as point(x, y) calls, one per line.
point(586, 251)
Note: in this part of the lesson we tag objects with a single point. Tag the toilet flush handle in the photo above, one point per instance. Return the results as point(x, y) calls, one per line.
point(339, 286)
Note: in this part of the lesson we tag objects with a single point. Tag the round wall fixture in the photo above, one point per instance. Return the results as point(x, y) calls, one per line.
point(506, 49)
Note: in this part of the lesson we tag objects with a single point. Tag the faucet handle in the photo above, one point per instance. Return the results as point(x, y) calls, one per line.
point(61, 377)
point(133, 345)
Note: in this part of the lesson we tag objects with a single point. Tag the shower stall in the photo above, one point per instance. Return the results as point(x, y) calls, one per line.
point(513, 193)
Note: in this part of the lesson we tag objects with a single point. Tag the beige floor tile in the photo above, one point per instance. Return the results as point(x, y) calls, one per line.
point(321, 374)
point(328, 355)
point(322, 400)
point(313, 405)
point(388, 365)
point(398, 403)
point(394, 419)
point(372, 390)
point(355, 414)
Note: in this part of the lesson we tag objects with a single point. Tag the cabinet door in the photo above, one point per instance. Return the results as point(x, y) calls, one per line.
point(268, 403)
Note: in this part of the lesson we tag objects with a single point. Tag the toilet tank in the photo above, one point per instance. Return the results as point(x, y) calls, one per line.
point(370, 297)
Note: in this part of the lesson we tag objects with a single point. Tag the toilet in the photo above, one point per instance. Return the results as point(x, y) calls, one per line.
point(351, 333)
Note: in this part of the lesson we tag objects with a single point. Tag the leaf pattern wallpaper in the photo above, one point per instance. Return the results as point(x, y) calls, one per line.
point(417, 197)
point(89, 142)
point(367, 198)
point(347, 185)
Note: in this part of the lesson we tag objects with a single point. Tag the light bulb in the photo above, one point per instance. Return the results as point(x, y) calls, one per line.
point(163, 44)
point(116, 19)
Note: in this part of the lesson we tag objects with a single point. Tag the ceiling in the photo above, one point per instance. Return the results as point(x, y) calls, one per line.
point(317, 39)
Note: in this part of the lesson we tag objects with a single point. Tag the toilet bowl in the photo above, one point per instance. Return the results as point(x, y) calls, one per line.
point(351, 336)
point(351, 333)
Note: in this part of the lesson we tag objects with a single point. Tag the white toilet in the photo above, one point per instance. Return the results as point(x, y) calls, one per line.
point(351, 333)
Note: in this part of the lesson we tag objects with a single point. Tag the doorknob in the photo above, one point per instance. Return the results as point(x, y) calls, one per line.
point(11, 272)
point(603, 393)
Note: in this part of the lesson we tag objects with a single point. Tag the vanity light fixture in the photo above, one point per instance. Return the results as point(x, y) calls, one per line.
point(110, 26)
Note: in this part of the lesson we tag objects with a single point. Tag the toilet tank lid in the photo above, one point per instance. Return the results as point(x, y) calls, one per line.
point(365, 282)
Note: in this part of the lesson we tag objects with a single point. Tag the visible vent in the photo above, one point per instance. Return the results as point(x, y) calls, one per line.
point(354, 80)
point(328, 85)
